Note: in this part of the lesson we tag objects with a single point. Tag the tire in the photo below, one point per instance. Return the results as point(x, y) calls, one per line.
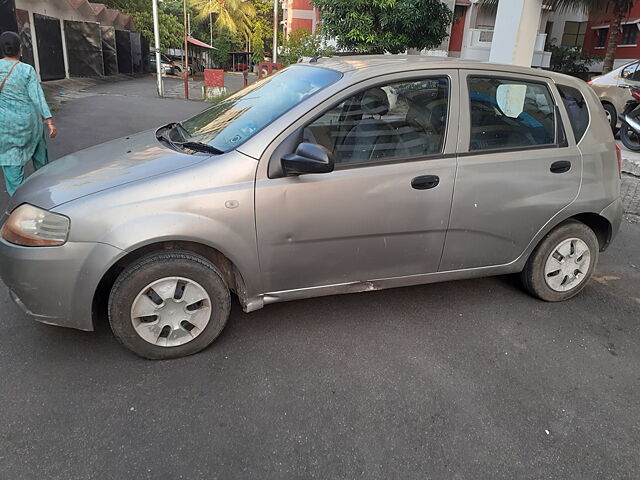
point(539, 277)
point(630, 138)
point(612, 116)
point(177, 319)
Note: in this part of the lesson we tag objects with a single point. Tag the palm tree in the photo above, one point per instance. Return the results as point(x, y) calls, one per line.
point(231, 15)
point(617, 9)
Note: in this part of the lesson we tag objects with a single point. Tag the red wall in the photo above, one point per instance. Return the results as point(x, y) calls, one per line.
point(457, 30)
point(590, 39)
point(299, 23)
point(302, 4)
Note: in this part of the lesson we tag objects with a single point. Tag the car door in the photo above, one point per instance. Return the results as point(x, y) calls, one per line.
point(628, 77)
point(517, 168)
point(383, 212)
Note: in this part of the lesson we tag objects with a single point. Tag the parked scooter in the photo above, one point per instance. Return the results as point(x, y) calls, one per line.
point(630, 118)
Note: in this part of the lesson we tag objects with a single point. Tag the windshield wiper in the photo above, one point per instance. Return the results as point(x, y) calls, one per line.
point(199, 147)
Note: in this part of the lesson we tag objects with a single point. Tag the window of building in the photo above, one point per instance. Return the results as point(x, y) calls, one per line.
point(601, 37)
point(394, 121)
point(629, 34)
point(577, 110)
point(510, 114)
point(573, 35)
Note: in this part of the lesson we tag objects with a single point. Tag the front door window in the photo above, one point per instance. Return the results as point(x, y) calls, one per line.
point(386, 123)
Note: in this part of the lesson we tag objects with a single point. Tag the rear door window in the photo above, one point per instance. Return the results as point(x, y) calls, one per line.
point(577, 109)
point(510, 114)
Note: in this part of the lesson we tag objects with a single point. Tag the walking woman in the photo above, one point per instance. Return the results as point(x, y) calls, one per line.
point(23, 110)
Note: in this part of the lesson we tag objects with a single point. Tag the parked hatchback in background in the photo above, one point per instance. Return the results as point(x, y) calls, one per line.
point(338, 176)
point(613, 90)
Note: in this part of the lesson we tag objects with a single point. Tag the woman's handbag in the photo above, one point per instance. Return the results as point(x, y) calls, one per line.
point(7, 76)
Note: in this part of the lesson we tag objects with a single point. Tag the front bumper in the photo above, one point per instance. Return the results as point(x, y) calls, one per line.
point(56, 285)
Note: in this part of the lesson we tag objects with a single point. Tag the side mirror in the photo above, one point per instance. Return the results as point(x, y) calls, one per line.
point(309, 158)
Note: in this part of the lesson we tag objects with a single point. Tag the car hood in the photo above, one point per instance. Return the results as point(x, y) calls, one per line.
point(98, 168)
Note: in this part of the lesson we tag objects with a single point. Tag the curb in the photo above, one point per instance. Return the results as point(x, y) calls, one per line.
point(631, 167)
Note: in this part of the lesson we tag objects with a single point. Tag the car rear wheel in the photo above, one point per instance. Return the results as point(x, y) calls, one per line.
point(169, 305)
point(562, 264)
point(612, 116)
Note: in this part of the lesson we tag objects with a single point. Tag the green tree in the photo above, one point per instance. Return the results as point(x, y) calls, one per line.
point(171, 29)
point(232, 15)
point(199, 26)
point(376, 26)
point(616, 9)
point(129, 6)
point(261, 28)
point(302, 43)
point(225, 42)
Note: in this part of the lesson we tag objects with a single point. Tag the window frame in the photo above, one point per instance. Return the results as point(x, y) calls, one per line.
point(577, 38)
point(448, 148)
point(588, 107)
point(561, 139)
point(634, 27)
point(599, 36)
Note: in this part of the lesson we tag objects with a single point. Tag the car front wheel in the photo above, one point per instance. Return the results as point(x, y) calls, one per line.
point(561, 265)
point(169, 305)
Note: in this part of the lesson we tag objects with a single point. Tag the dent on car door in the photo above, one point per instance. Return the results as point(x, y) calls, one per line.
point(516, 168)
point(384, 210)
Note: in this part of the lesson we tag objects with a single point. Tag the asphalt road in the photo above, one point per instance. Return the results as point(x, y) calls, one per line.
point(461, 380)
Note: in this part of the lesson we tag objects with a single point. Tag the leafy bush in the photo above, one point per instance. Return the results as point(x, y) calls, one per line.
point(570, 60)
point(302, 43)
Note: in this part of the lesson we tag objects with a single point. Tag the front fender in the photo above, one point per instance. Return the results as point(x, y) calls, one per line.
point(237, 242)
point(209, 204)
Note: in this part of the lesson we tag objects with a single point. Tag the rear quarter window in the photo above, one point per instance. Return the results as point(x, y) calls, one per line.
point(577, 109)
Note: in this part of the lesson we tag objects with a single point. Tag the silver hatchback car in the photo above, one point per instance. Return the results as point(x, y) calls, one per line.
point(335, 176)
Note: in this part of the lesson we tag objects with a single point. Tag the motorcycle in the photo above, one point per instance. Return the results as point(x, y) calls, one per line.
point(630, 118)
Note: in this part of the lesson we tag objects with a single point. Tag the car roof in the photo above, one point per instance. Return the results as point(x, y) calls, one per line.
point(383, 64)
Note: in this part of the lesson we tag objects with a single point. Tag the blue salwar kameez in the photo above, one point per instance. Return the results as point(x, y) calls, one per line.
point(22, 111)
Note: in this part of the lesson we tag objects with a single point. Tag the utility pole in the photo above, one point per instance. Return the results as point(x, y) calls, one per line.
point(185, 73)
point(156, 40)
point(275, 31)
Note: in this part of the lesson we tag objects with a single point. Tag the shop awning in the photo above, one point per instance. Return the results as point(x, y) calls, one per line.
point(198, 43)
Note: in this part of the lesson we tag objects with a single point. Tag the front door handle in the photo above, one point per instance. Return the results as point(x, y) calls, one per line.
point(560, 167)
point(425, 182)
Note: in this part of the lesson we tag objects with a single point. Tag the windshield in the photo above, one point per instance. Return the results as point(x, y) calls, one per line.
point(232, 121)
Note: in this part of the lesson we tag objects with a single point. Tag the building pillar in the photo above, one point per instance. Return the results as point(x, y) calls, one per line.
point(516, 29)
point(64, 49)
point(34, 44)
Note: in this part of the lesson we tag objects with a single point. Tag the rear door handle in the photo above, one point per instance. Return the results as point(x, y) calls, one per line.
point(425, 182)
point(560, 167)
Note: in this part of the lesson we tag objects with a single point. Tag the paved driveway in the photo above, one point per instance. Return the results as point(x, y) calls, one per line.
point(471, 379)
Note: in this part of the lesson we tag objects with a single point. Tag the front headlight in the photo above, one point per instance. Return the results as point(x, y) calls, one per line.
point(34, 227)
